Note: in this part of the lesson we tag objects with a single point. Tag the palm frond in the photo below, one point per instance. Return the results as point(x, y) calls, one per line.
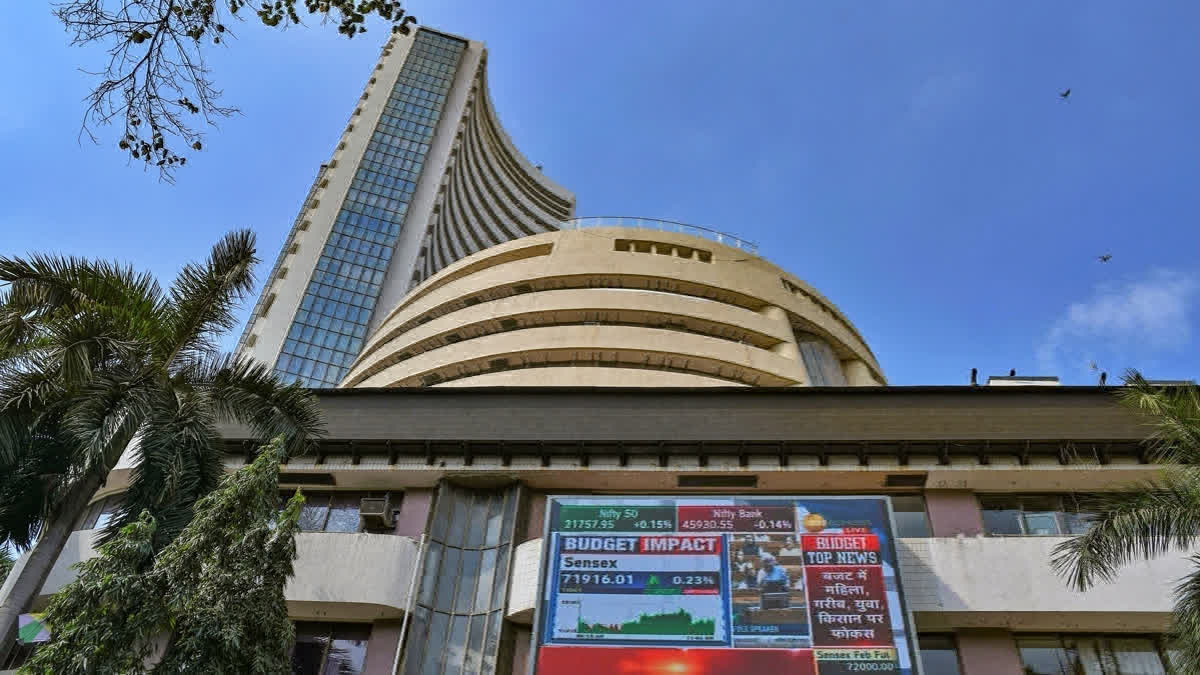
point(1185, 624)
point(41, 285)
point(87, 344)
point(247, 391)
point(204, 296)
point(1159, 517)
point(179, 462)
point(1172, 412)
point(33, 472)
point(104, 416)
point(15, 430)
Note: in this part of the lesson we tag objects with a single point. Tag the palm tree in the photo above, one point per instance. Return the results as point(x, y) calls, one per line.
point(1158, 517)
point(95, 360)
point(6, 562)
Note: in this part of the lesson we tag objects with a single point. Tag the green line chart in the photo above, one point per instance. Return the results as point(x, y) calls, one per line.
point(640, 618)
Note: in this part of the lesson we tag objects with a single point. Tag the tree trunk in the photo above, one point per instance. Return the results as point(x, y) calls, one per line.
point(42, 558)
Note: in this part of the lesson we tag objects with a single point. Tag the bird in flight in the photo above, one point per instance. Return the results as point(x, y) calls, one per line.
point(1105, 258)
point(1065, 94)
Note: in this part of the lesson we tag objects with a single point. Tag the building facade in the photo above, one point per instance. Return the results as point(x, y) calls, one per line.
point(478, 351)
point(615, 302)
point(984, 482)
point(422, 176)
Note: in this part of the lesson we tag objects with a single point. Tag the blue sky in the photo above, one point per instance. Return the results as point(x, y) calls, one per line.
point(911, 160)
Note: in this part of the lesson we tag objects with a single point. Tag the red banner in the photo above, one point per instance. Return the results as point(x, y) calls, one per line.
point(840, 549)
point(839, 542)
point(670, 661)
point(848, 606)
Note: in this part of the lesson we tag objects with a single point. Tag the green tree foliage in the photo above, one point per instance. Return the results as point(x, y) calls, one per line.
point(94, 355)
point(212, 599)
point(1155, 518)
point(107, 620)
point(156, 82)
point(225, 576)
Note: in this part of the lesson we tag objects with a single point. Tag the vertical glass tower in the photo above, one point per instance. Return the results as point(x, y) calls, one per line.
point(328, 330)
point(422, 176)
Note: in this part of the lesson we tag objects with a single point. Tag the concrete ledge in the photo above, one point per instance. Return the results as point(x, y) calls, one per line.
point(979, 582)
point(1007, 582)
point(338, 576)
point(351, 576)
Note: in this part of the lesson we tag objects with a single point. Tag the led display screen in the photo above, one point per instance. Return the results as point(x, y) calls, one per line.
point(720, 586)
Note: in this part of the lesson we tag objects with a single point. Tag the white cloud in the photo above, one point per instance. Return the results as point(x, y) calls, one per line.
point(1122, 323)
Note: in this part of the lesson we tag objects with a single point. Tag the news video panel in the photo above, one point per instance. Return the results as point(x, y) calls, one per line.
point(804, 585)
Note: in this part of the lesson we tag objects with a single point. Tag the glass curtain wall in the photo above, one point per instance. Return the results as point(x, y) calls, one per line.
point(327, 332)
point(824, 368)
point(459, 612)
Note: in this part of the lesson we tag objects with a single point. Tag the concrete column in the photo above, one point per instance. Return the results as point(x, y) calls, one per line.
point(381, 647)
point(521, 650)
point(858, 374)
point(953, 513)
point(535, 519)
point(988, 652)
point(787, 348)
point(414, 512)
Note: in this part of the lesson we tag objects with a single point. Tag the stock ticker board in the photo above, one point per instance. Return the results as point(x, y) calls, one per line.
point(721, 586)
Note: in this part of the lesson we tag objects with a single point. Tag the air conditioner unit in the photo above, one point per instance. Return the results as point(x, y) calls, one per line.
point(376, 512)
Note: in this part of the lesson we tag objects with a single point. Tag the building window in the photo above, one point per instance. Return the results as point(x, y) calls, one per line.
point(330, 648)
point(101, 512)
point(1033, 516)
point(1100, 654)
point(457, 623)
point(908, 512)
point(824, 368)
point(939, 655)
point(329, 511)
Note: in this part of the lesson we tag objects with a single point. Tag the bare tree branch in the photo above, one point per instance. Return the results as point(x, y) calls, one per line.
point(157, 85)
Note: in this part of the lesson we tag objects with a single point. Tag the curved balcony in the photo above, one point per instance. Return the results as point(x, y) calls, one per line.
point(338, 576)
point(597, 304)
point(351, 576)
point(662, 226)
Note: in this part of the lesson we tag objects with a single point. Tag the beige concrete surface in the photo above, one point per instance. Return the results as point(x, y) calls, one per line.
point(351, 576)
point(1007, 582)
point(660, 301)
point(522, 598)
point(338, 576)
point(647, 349)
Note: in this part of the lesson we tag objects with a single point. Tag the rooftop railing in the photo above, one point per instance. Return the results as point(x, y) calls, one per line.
point(661, 225)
